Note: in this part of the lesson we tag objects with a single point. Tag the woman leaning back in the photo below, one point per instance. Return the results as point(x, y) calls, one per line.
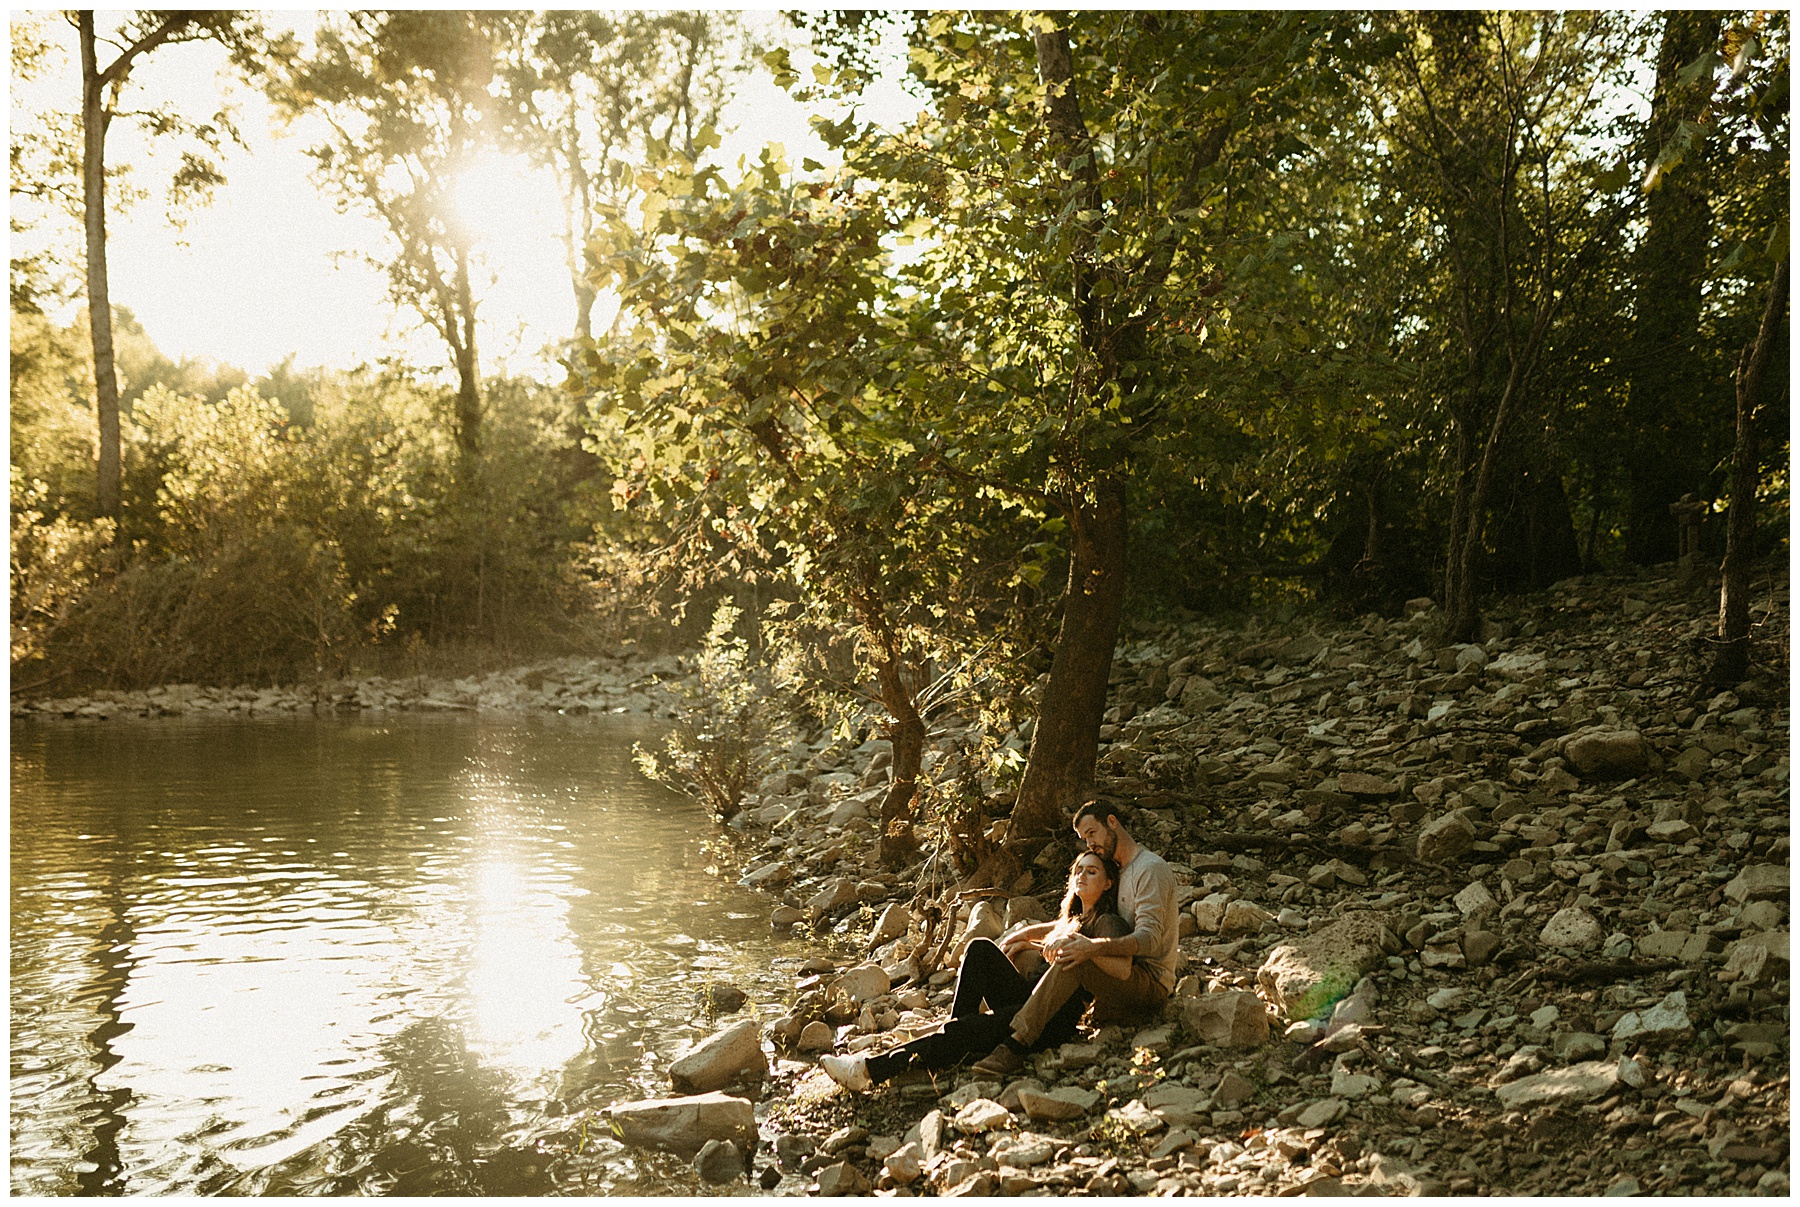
point(990, 973)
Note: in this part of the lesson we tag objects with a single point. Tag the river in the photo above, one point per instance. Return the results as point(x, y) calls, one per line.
point(351, 955)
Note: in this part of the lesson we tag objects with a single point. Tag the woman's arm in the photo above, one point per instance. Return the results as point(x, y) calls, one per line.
point(1026, 936)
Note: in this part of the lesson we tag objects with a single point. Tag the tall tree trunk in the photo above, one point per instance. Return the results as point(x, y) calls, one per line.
point(1059, 770)
point(468, 374)
point(1733, 660)
point(94, 118)
point(579, 224)
point(1665, 456)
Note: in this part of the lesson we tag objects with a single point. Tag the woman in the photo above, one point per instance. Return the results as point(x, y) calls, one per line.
point(988, 973)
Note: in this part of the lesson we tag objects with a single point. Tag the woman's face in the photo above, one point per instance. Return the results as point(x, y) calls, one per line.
point(1090, 880)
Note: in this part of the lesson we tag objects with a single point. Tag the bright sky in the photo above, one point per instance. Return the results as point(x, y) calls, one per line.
point(272, 268)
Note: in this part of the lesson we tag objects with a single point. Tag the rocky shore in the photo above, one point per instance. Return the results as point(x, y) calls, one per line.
point(1507, 917)
point(570, 686)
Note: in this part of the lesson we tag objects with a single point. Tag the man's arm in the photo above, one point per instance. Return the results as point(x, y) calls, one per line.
point(1153, 916)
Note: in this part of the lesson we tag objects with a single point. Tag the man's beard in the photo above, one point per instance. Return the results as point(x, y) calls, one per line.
point(1110, 849)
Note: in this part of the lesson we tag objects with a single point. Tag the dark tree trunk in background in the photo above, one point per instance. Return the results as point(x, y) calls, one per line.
point(94, 120)
point(1733, 660)
point(1664, 452)
point(468, 369)
point(1059, 771)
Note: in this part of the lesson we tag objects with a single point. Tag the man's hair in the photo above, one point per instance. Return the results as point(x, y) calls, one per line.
point(1099, 810)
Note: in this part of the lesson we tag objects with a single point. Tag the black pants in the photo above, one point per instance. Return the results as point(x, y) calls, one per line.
point(985, 976)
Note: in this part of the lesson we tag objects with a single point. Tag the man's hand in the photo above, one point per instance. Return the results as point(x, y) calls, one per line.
point(1073, 950)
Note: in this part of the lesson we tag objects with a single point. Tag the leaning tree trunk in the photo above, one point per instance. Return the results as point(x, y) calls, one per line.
point(1059, 768)
point(1733, 659)
point(93, 190)
point(1059, 771)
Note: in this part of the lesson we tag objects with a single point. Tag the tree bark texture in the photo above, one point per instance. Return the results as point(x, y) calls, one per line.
point(1665, 453)
point(94, 118)
point(468, 371)
point(1059, 770)
point(907, 734)
point(1733, 659)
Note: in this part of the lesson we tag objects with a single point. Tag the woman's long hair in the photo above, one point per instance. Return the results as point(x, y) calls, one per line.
point(1109, 900)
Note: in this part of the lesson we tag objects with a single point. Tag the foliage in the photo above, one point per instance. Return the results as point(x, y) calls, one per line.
point(727, 720)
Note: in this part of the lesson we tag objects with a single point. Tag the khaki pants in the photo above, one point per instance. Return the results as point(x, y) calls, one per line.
point(1114, 999)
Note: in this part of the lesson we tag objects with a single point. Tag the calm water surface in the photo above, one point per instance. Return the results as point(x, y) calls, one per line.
point(335, 956)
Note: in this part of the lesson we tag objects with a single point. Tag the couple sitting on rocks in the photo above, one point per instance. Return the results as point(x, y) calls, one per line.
point(1113, 947)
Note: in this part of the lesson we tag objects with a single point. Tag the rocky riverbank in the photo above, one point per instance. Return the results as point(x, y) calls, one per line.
point(570, 686)
point(1507, 917)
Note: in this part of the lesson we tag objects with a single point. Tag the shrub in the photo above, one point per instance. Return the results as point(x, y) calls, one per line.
point(726, 722)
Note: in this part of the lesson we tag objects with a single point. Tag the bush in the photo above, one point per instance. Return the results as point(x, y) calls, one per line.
point(726, 723)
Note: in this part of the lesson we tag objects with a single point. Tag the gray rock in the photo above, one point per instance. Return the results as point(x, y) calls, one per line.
point(1665, 1022)
point(720, 1161)
point(1573, 927)
point(721, 1059)
point(1243, 918)
point(982, 1115)
point(816, 1036)
point(863, 983)
point(842, 1180)
point(684, 1125)
point(1024, 1150)
point(1234, 1019)
point(1759, 958)
point(1570, 1086)
point(1178, 1105)
point(1615, 754)
point(1302, 979)
point(1065, 1102)
point(1357, 783)
point(834, 896)
point(1322, 1113)
point(1575, 1046)
point(1449, 837)
point(905, 1165)
point(892, 924)
point(784, 916)
point(1759, 882)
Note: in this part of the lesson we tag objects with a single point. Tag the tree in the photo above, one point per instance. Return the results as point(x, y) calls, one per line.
point(1750, 382)
point(598, 96)
point(101, 92)
point(405, 94)
point(1500, 144)
point(1666, 457)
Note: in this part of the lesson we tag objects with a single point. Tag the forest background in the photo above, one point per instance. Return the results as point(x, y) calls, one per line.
point(1131, 316)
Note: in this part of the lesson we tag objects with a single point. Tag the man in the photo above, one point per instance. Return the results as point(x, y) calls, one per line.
point(1147, 901)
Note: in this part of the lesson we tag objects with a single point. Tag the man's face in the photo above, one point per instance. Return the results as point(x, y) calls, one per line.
point(1100, 839)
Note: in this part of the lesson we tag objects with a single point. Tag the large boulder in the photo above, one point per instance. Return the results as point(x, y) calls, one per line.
point(1608, 753)
point(721, 1059)
point(1306, 978)
point(1234, 1019)
point(834, 896)
point(684, 1125)
point(1664, 1023)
